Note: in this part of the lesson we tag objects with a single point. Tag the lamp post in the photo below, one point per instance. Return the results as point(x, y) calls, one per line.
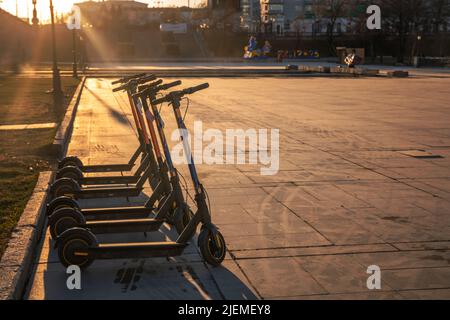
point(419, 39)
point(57, 92)
point(74, 51)
point(35, 19)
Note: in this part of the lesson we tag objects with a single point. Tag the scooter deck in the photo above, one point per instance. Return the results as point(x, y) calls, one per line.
point(110, 180)
point(87, 193)
point(123, 226)
point(135, 250)
point(107, 168)
point(126, 210)
point(115, 167)
point(117, 213)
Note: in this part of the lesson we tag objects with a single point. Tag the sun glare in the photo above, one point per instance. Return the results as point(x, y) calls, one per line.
point(24, 8)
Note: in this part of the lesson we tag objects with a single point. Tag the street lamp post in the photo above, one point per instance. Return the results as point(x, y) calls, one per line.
point(57, 92)
point(419, 39)
point(35, 19)
point(74, 65)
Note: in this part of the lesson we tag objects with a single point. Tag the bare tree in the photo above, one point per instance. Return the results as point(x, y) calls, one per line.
point(439, 13)
point(330, 11)
point(403, 18)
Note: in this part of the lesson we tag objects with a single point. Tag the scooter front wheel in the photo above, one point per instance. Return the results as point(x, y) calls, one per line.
point(212, 246)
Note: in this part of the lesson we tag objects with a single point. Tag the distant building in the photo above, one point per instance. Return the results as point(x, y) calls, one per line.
point(272, 16)
point(251, 15)
point(99, 14)
point(14, 49)
point(132, 13)
point(283, 17)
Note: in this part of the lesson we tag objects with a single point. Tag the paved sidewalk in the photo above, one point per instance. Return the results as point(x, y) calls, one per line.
point(364, 180)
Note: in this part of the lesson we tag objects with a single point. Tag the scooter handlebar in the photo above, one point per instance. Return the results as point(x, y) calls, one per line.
point(192, 90)
point(170, 85)
point(179, 94)
point(135, 82)
point(128, 78)
point(155, 87)
point(144, 87)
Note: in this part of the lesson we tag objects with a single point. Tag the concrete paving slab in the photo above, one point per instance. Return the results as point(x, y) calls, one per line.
point(313, 251)
point(345, 195)
point(432, 294)
point(279, 277)
point(420, 278)
point(338, 274)
point(383, 295)
point(398, 260)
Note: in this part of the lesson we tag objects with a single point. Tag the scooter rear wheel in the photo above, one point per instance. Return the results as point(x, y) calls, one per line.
point(70, 172)
point(59, 203)
point(64, 219)
point(70, 161)
point(73, 248)
point(212, 246)
point(64, 187)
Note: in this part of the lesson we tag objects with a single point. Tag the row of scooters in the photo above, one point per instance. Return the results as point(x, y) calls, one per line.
point(74, 228)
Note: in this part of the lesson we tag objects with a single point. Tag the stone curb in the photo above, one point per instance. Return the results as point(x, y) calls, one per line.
point(18, 258)
point(65, 129)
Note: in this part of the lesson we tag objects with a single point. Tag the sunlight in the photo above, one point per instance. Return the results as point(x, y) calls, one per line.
point(24, 8)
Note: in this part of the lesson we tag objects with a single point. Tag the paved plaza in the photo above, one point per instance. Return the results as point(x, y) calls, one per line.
point(364, 180)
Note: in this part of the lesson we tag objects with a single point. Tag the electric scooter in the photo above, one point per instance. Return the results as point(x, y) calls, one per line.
point(75, 173)
point(71, 188)
point(79, 246)
point(172, 207)
point(64, 201)
point(74, 161)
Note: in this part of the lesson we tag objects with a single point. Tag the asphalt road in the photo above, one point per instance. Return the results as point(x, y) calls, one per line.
point(364, 180)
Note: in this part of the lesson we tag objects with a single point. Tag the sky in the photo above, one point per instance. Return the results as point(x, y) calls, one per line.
point(63, 6)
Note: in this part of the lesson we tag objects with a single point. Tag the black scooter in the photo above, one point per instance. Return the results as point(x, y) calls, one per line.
point(173, 207)
point(75, 162)
point(75, 173)
point(72, 188)
point(79, 246)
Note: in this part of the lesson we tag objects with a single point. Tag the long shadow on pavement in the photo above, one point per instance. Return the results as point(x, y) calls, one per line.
point(184, 277)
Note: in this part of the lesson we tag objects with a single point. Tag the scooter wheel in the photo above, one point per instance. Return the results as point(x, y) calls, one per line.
point(212, 246)
point(70, 172)
point(59, 203)
point(64, 187)
point(65, 219)
point(73, 247)
point(70, 161)
point(171, 215)
point(181, 218)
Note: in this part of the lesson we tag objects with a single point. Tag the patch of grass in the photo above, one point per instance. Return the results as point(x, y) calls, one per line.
point(17, 182)
point(24, 100)
point(24, 153)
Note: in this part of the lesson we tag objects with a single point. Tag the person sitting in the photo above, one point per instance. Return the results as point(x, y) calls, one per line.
point(252, 43)
point(267, 48)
